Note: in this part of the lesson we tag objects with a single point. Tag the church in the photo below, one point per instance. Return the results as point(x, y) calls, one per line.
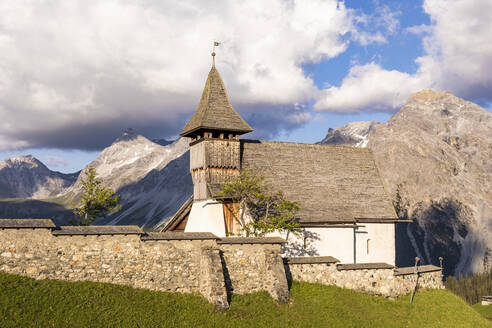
point(346, 211)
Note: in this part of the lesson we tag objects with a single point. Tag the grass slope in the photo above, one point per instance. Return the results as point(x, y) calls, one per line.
point(25, 302)
point(484, 310)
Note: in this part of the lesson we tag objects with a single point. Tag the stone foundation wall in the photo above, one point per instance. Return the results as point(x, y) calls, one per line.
point(372, 278)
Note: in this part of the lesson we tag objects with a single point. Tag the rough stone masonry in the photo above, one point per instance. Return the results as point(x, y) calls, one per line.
point(183, 262)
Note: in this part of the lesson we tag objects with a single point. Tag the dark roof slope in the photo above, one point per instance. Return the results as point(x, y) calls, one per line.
point(215, 110)
point(331, 183)
point(178, 217)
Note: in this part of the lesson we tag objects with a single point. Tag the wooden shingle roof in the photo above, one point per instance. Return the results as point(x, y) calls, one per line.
point(330, 183)
point(215, 111)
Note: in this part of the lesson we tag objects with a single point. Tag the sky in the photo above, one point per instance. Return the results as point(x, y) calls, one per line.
point(75, 74)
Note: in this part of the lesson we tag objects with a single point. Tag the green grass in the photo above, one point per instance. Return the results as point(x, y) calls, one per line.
point(25, 302)
point(484, 310)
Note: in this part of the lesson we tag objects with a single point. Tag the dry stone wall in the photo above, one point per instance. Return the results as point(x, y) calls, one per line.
point(187, 262)
point(183, 262)
point(252, 265)
point(371, 278)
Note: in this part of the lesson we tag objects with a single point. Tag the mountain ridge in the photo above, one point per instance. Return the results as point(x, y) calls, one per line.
point(436, 140)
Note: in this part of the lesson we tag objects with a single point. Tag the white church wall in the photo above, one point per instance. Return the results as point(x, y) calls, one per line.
point(339, 243)
point(206, 216)
point(375, 242)
point(336, 242)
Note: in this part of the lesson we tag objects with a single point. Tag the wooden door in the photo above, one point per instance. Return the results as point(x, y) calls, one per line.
point(230, 210)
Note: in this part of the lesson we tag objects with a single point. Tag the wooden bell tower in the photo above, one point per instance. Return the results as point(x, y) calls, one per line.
point(214, 130)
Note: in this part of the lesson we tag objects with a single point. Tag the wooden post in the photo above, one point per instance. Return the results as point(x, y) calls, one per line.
point(417, 259)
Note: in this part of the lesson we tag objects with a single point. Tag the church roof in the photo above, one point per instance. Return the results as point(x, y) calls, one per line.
point(215, 111)
point(330, 183)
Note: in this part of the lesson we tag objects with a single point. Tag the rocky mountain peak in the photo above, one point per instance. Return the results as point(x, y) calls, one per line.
point(428, 96)
point(129, 135)
point(130, 158)
point(22, 162)
point(26, 176)
point(435, 155)
point(352, 134)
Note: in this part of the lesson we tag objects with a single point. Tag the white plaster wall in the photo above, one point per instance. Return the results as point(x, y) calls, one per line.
point(339, 243)
point(381, 243)
point(206, 216)
point(336, 242)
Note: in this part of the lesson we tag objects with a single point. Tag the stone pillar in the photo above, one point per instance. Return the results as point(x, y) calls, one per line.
point(277, 286)
point(212, 285)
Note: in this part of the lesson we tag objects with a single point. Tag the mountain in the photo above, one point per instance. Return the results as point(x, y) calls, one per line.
point(353, 134)
point(162, 142)
point(129, 159)
point(27, 177)
point(152, 180)
point(435, 156)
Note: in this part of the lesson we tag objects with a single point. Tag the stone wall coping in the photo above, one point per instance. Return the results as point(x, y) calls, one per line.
point(98, 230)
point(364, 266)
point(310, 260)
point(420, 269)
point(251, 240)
point(26, 223)
point(172, 235)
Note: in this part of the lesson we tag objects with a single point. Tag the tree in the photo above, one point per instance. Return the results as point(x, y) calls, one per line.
point(97, 201)
point(261, 210)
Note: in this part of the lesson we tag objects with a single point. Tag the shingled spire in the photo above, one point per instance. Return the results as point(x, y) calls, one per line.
point(215, 113)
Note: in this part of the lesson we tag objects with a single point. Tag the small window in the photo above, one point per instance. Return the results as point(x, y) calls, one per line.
point(368, 242)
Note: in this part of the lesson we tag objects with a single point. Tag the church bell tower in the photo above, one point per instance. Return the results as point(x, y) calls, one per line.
point(214, 131)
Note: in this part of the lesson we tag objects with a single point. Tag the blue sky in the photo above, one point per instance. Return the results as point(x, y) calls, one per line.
point(398, 53)
point(75, 76)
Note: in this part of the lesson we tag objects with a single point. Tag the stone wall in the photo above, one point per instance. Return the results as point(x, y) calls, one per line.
point(182, 262)
point(371, 278)
point(187, 262)
point(251, 265)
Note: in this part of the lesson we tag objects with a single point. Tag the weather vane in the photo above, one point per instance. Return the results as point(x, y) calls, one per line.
point(216, 44)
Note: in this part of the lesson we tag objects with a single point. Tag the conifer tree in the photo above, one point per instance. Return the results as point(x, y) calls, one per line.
point(97, 201)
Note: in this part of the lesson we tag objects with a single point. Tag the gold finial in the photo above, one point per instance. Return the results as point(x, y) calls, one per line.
point(216, 44)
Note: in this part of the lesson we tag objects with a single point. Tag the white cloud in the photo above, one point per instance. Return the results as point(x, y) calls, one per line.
point(74, 72)
point(458, 58)
point(459, 49)
point(369, 87)
point(54, 161)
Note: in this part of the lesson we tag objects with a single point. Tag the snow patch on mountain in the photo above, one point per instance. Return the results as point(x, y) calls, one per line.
point(354, 134)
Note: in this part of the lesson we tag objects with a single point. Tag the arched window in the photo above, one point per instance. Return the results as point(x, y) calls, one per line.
point(368, 242)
